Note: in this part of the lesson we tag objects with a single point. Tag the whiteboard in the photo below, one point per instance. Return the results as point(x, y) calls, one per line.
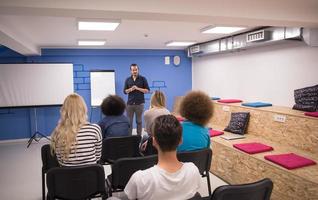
point(23, 85)
point(102, 85)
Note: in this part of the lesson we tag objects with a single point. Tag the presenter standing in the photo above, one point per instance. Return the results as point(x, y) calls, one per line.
point(135, 86)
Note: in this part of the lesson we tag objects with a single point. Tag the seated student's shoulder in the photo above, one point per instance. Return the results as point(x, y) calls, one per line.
point(147, 113)
point(91, 127)
point(139, 183)
point(191, 168)
point(124, 118)
point(95, 127)
point(190, 165)
point(145, 176)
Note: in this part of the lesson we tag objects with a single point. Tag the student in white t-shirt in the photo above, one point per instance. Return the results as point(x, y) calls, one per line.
point(169, 179)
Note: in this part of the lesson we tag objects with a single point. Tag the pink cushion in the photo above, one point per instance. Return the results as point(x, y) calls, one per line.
point(253, 147)
point(312, 114)
point(229, 101)
point(290, 160)
point(214, 133)
point(180, 119)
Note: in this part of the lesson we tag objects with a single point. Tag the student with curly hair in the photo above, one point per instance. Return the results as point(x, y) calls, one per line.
point(170, 179)
point(196, 108)
point(75, 141)
point(115, 123)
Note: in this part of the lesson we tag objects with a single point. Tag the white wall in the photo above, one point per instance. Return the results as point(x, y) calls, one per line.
point(268, 74)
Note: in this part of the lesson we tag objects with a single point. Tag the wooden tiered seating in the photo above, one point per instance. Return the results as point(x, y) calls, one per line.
point(298, 134)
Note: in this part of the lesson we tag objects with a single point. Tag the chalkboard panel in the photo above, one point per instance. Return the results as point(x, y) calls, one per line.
point(102, 85)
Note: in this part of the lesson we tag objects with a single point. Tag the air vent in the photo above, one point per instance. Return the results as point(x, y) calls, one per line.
point(195, 49)
point(257, 36)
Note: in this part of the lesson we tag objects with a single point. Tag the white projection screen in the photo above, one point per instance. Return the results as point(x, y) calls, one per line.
point(23, 85)
point(102, 85)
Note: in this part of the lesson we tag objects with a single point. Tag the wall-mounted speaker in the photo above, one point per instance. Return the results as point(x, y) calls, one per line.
point(176, 60)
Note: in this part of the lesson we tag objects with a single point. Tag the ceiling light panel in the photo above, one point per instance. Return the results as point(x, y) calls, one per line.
point(221, 29)
point(97, 26)
point(179, 43)
point(91, 42)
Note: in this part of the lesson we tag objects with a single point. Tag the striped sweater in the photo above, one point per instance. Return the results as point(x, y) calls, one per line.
point(88, 147)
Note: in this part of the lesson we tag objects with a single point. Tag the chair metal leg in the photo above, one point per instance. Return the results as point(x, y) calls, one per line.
point(109, 188)
point(43, 186)
point(104, 196)
point(208, 181)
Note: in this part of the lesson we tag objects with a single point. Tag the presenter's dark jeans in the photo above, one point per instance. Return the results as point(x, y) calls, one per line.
point(137, 110)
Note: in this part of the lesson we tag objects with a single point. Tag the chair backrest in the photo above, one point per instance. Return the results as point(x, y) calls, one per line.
point(150, 149)
point(120, 147)
point(79, 182)
point(260, 190)
point(124, 168)
point(201, 158)
point(48, 160)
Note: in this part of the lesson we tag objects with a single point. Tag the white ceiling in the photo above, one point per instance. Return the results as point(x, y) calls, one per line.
point(26, 26)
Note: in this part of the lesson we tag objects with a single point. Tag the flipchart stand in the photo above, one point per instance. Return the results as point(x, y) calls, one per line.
point(37, 136)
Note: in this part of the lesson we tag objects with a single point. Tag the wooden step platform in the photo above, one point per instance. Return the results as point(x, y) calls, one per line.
point(298, 134)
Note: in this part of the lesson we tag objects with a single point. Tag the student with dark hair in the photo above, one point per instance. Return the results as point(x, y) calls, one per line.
point(196, 108)
point(115, 123)
point(135, 86)
point(170, 178)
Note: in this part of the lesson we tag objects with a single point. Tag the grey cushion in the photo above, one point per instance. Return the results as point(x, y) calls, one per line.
point(238, 123)
point(306, 99)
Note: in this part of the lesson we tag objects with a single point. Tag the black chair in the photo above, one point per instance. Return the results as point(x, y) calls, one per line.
point(48, 161)
point(197, 196)
point(120, 147)
point(202, 159)
point(150, 149)
point(124, 168)
point(260, 190)
point(82, 182)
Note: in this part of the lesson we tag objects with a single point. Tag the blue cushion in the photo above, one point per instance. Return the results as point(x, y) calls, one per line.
point(215, 98)
point(256, 104)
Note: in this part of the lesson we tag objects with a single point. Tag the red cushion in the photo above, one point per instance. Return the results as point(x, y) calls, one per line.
point(214, 133)
point(290, 160)
point(253, 147)
point(312, 114)
point(229, 101)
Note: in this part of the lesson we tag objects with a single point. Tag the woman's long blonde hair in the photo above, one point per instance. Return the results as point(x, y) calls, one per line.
point(158, 99)
point(73, 116)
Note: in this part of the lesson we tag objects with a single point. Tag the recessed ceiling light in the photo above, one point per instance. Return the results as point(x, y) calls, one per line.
point(179, 43)
point(221, 29)
point(97, 25)
point(91, 42)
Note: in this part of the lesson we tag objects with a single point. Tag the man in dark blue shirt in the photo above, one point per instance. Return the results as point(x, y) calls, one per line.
point(135, 86)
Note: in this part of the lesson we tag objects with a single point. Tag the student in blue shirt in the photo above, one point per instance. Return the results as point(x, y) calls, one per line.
point(196, 107)
point(115, 123)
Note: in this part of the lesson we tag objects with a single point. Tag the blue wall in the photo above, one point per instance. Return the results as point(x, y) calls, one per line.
point(19, 122)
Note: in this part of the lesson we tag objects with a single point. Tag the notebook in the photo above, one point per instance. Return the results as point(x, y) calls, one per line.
point(233, 137)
